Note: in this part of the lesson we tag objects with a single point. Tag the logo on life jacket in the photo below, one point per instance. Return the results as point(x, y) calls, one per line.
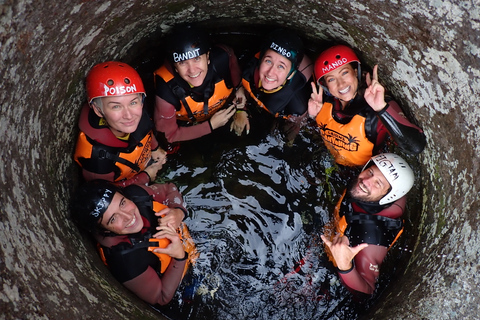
point(119, 90)
point(349, 143)
point(334, 65)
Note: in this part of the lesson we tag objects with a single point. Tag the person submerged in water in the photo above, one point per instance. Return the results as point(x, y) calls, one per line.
point(136, 228)
point(277, 79)
point(194, 85)
point(368, 220)
point(355, 117)
point(116, 141)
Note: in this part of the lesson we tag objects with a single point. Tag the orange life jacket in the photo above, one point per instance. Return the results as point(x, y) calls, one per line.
point(339, 224)
point(128, 163)
point(348, 142)
point(165, 259)
point(191, 110)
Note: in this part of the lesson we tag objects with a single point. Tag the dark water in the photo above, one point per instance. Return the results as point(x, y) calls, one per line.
point(257, 207)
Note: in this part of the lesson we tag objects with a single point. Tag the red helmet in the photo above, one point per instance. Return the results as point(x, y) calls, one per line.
point(112, 78)
point(333, 58)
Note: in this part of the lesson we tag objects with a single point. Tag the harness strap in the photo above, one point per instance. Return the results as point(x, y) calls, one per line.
point(361, 218)
point(104, 154)
point(181, 94)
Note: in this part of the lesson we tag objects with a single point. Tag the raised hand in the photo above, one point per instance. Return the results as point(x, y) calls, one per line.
point(316, 101)
point(341, 251)
point(375, 92)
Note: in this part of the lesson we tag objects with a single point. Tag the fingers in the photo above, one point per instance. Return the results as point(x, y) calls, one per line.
point(375, 72)
point(314, 88)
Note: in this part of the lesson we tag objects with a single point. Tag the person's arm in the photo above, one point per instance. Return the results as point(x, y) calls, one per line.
point(406, 135)
point(166, 122)
point(140, 178)
point(363, 273)
point(148, 286)
point(306, 67)
point(169, 195)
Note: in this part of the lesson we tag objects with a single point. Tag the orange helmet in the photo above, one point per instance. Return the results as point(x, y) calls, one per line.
point(113, 78)
point(333, 58)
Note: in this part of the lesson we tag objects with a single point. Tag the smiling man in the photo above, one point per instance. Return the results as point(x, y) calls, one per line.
point(369, 220)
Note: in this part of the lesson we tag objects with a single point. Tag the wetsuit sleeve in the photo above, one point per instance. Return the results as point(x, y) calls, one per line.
point(168, 194)
point(408, 137)
point(149, 287)
point(166, 122)
point(394, 211)
point(140, 178)
point(366, 269)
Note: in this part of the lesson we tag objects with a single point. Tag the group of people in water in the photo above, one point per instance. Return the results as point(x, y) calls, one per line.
point(138, 224)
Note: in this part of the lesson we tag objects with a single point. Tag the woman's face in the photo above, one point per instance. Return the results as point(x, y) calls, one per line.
point(122, 113)
point(122, 216)
point(342, 82)
point(273, 70)
point(193, 70)
point(371, 185)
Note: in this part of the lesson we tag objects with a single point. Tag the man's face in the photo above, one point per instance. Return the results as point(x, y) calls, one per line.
point(370, 185)
point(122, 216)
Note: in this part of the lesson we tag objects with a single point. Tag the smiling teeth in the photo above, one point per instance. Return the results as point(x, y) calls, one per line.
point(269, 79)
point(131, 222)
point(344, 90)
point(362, 187)
point(195, 75)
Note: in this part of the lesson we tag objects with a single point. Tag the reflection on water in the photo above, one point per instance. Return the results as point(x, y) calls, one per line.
point(257, 207)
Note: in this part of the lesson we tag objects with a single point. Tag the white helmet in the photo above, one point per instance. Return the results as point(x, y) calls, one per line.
point(397, 172)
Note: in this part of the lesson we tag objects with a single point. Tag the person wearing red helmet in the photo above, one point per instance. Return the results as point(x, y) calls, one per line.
point(355, 117)
point(140, 234)
point(116, 141)
point(193, 86)
point(368, 220)
point(277, 79)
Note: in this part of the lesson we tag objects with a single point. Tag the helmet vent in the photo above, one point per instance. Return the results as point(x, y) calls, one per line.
point(110, 82)
point(126, 80)
point(326, 62)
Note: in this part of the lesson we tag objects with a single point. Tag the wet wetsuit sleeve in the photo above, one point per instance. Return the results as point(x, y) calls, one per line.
point(366, 269)
point(166, 122)
point(149, 287)
point(408, 137)
point(168, 194)
point(140, 178)
point(235, 71)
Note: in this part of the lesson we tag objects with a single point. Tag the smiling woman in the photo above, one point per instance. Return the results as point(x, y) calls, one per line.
point(126, 230)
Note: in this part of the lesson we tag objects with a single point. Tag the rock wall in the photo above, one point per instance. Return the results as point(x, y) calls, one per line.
point(428, 52)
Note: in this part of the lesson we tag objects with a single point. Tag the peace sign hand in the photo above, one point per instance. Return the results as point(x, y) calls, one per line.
point(375, 92)
point(316, 101)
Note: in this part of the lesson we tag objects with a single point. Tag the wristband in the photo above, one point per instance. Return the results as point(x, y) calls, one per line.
point(346, 271)
point(184, 258)
point(384, 109)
